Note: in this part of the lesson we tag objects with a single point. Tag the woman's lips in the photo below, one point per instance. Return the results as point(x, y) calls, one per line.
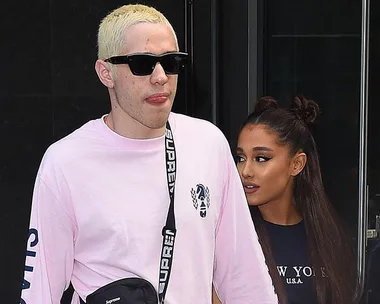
point(251, 188)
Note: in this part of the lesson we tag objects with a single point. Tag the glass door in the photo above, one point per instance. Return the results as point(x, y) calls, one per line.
point(372, 256)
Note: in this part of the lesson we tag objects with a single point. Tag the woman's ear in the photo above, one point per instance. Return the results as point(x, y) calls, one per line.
point(298, 163)
point(105, 73)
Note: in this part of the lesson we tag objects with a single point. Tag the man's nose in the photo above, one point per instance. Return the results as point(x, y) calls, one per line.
point(158, 75)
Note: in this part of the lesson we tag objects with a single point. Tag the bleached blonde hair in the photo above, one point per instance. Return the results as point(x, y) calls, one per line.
point(112, 28)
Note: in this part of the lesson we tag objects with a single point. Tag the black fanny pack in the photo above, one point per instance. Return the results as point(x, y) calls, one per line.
point(124, 291)
point(138, 290)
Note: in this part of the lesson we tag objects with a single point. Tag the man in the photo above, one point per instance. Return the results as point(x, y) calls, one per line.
point(102, 193)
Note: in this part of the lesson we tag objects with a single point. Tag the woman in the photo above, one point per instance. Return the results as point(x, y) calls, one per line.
point(309, 258)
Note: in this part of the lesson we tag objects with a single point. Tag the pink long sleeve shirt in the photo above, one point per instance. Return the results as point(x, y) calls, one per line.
point(100, 202)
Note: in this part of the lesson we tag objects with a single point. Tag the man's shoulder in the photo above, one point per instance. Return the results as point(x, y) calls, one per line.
point(197, 127)
point(70, 146)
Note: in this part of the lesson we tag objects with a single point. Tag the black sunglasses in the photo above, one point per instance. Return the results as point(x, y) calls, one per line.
point(144, 64)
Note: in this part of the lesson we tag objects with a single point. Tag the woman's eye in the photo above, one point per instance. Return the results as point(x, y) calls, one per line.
point(261, 159)
point(239, 159)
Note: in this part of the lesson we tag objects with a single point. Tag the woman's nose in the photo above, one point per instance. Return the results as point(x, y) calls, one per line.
point(247, 171)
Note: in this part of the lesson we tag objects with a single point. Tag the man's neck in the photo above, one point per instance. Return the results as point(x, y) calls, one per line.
point(132, 129)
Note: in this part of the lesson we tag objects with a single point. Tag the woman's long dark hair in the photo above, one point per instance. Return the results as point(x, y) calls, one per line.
point(329, 247)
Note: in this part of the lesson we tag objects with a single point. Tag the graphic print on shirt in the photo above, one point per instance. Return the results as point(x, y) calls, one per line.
point(32, 242)
point(297, 274)
point(201, 199)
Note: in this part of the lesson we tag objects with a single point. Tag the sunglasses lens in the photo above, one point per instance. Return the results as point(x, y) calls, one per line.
point(142, 64)
point(173, 63)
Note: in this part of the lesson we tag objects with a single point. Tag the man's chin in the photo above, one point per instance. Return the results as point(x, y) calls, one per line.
point(158, 121)
point(156, 124)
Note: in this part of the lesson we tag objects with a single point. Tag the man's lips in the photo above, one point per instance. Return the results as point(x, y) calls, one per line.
point(157, 98)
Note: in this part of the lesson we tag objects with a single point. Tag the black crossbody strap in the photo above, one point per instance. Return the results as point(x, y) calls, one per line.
point(169, 230)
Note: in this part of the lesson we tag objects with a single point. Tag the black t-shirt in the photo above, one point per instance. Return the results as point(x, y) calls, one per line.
point(290, 251)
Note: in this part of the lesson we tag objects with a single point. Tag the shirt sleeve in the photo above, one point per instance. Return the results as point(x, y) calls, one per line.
point(240, 273)
point(50, 248)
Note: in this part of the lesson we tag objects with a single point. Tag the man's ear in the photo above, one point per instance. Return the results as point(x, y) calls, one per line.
point(298, 163)
point(105, 73)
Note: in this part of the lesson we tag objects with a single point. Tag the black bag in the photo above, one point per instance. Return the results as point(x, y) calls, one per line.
point(125, 291)
point(138, 290)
